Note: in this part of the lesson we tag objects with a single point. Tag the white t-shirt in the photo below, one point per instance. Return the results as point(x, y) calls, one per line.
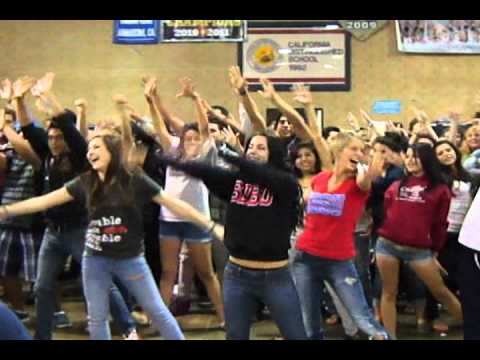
point(459, 205)
point(181, 186)
point(470, 234)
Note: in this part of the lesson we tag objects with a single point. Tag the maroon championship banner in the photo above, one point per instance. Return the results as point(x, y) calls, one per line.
point(203, 30)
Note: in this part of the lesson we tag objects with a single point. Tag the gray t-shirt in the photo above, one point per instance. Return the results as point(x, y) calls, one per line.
point(186, 188)
point(115, 227)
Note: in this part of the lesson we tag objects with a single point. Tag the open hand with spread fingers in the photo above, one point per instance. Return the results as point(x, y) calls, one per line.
point(6, 90)
point(22, 85)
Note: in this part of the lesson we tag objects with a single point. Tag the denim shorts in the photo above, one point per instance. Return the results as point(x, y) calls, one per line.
point(184, 231)
point(401, 252)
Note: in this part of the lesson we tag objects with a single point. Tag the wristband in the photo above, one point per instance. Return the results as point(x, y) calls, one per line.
point(242, 92)
point(213, 227)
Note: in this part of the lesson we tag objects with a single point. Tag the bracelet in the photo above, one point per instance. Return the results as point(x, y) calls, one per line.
point(213, 227)
point(242, 92)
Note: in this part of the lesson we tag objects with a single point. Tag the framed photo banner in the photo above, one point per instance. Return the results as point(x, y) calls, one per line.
point(203, 30)
point(136, 31)
point(438, 36)
point(316, 54)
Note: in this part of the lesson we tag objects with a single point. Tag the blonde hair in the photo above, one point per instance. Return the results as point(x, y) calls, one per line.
point(464, 148)
point(342, 140)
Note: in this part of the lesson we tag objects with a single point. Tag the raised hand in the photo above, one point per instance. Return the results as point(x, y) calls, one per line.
point(120, 99)
point(237, 81)
point(80, 105)
point(2, 119)
point(44, 84)
point(6, 90)
point(43, 107)
point(188, 89)
point(302, 94)
point(150, 86)
point(377, 163)
point(231, 138)
point(352, 121)
point(122, 104)
point(22, 85)
point(268, 89)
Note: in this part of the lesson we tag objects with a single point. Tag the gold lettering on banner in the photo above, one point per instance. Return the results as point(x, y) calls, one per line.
point(204, 23)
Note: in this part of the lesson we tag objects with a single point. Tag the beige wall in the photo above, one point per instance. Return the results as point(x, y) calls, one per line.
point(88, 64)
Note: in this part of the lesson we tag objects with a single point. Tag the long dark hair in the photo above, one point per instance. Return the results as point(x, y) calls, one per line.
point(430, 164)
point(458, 172)
point(277, 159)
point(117, 177)
point(294, 153)
point(181, 146)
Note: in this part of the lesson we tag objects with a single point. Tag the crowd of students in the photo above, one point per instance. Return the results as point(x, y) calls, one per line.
point(282, 215)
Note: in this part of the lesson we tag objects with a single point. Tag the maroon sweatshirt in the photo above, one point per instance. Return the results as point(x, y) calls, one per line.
point(415, 216)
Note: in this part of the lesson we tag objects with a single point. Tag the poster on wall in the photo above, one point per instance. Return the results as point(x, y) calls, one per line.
point(136, 31)
point(438, 36)
point(203, 30)
point(316, 54)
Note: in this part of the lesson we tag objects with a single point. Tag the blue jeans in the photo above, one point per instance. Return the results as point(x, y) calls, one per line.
point(11, 328)
point(244, 289)
point(55, 248)
point(310, 272)
point(98, 273)
point(362, 263)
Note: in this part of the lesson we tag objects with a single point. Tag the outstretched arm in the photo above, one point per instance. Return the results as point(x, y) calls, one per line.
point(281, 183)
point(36, 204)
point(218, 180)
point(189, 213)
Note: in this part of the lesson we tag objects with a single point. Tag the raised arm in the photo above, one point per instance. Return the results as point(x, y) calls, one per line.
point(81, 111)
point(124, 109)
point(364, 115)
point(424, 119)
point(6, 90)
point(226, 120)
point(20, 145)
point(304, 97)
point(36, 204)
point(164, 137)
point(240, 86)
point(36, 138)
point(174, 121)
point(365, 177)
point(43, 90)
point(188, 91)
point(299, 126)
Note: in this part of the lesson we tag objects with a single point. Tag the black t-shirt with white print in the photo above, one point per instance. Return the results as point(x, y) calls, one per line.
point(115, 228)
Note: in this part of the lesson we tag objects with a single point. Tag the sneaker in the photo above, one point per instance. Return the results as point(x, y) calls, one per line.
point(61, 320)
point(133, 335)
point(23, 316)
